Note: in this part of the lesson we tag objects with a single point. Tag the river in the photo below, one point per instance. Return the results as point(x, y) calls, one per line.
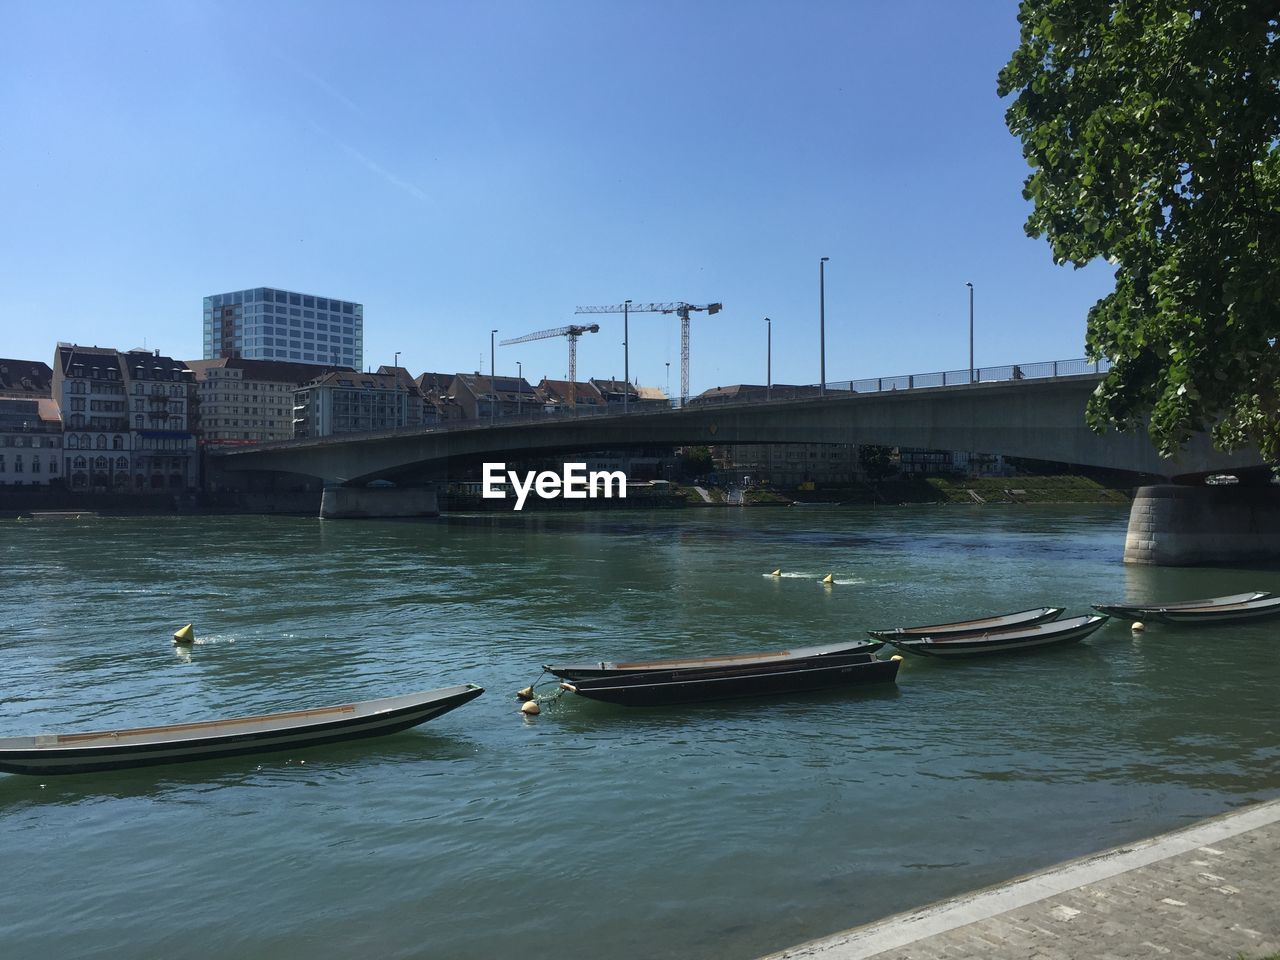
point(718, 831)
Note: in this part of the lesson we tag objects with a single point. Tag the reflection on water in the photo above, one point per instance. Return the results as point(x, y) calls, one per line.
point(720, 830)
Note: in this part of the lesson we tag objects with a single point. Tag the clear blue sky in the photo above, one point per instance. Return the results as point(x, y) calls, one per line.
point(463, 166)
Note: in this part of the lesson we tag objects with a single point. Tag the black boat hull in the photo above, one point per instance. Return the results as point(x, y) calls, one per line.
point(1040, 637)
point(863, 649)
point(1264, 607)
point(1023, 618)
point(59, 759)
point(679, 687)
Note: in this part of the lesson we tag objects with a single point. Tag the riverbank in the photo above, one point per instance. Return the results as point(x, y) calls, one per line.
point(998, 490)
point(1205, 891)
point(1004, 490)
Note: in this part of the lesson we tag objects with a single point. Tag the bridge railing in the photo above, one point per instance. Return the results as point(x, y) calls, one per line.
point(911, 381)
point(952, 378)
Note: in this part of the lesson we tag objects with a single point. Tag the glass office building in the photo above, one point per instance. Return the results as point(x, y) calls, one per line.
point(268, 324)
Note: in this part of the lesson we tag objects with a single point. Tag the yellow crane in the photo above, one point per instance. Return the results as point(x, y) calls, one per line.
point(680, 309)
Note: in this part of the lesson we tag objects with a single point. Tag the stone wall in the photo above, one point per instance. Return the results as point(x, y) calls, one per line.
point(1190, 526)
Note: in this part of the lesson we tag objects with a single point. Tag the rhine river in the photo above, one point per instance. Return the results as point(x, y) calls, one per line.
point(718, 831)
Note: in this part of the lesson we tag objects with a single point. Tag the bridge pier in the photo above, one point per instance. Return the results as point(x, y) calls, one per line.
point(368, 502)
point(1174, 526)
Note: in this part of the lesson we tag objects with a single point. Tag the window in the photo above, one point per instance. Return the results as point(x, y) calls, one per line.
point(53, 464)
point(79, 463)
point(122, 464)
point(17, 463)
point(137, 422)
point(117, 442)
point(1, 463)
point(102, 442)
point(35, 464)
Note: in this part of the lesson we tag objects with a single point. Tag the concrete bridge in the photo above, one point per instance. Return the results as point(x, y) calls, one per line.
point(1036, 418)
point(1041, 419)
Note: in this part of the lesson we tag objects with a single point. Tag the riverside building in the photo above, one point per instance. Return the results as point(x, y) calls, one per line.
point(247, 401)
point(268, 324)
point(352, 402)
point(30, 428)
point(126, 420)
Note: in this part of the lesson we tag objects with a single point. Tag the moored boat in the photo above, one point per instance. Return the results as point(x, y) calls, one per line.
point(1008, 640)
point(55, 753)
point(665, 687)
point(605, 668)
point(981, 625)
point(1258, 605)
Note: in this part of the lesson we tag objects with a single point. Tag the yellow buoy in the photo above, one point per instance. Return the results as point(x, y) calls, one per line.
point(531, 708)
point(776, 573)
point(829, 578)
point(185, 636)
point(1138, 626)
point(897, 656)
point(525, 694)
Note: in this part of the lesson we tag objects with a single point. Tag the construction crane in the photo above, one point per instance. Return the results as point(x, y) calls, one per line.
point(680, 309)
point(573, 332)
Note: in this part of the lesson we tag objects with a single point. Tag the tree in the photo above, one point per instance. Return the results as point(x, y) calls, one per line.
point(877, 462)
point(1152, 127)
point(696, 462)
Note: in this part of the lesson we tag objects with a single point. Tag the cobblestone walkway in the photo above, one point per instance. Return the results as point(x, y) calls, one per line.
point(1208, 891)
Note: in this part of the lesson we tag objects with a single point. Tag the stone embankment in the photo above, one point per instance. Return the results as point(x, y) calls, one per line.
point(1208, 891)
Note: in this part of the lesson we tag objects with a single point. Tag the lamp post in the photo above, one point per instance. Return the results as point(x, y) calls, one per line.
point(520, 386)
point(768, 375)
point(668, 380)
point(626, 354)
point(970, 286)
point(822, 324)
point(493, 384)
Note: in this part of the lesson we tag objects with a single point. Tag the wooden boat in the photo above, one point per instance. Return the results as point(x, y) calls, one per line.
point(1233, 609)
point(1008, 640)
point(962, 627)
point(180, 742)
point(664, 687)
point(604, 668)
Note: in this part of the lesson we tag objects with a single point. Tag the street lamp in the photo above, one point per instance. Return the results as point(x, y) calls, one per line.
point(768, 376)
point(668, 380)
point(493, 384)
point(970, 286)
point(520, 387)
point(626, 354)
point(822, 324)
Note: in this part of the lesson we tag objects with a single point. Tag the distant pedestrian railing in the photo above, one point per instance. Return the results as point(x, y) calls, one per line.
point(956, 378)
point(1042, 370)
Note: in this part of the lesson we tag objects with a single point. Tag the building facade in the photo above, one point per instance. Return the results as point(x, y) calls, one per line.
point(353, 402)
point(481, 396)
point(247, 401)
point(30, 442)
point(792, 464)
point(268, 324)
point(126, 420)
